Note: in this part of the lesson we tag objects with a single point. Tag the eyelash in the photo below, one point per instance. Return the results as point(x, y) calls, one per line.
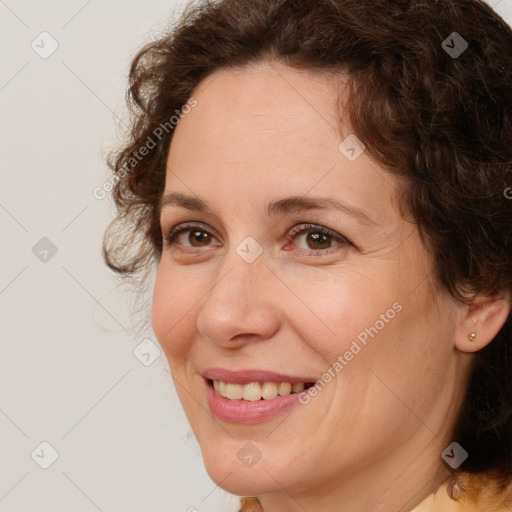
point(297, 230)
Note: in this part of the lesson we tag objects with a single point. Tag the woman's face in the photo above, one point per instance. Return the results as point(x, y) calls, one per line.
point(251, 291)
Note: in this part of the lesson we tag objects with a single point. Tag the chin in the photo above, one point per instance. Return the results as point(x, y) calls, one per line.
point(229, 473)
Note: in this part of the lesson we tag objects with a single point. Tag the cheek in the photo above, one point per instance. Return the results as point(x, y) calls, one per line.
point(172, 309)
point(369, 321)
point(344, 305)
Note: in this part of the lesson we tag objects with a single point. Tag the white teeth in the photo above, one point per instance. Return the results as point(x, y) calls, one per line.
point(251, 392)
point(233, 391)
point(284, 389)
point(269, 390)
point(255, 391)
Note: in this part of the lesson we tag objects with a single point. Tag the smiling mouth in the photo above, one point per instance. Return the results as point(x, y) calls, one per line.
point(255, 391)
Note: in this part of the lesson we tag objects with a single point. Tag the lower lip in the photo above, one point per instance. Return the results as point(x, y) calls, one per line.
point(243, 411)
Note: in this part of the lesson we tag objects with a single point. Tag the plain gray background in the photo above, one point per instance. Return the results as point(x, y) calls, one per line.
point(69, 375)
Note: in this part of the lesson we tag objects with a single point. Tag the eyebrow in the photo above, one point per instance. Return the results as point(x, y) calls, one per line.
point(279, 206)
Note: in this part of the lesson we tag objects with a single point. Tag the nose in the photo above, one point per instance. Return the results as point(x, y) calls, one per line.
point(239, 308)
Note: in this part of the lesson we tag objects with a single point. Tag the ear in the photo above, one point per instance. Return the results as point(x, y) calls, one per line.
point(481, 322)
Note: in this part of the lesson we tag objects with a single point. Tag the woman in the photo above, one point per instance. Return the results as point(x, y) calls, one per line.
point(322, 185)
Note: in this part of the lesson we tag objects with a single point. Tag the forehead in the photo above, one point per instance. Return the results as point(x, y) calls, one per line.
point(267, 128)
point(249, 102)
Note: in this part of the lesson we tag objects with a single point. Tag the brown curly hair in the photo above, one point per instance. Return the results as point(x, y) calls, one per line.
point(442, 121)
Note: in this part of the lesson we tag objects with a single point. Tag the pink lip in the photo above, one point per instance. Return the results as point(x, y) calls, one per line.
point(243, 411)
point(247, 376)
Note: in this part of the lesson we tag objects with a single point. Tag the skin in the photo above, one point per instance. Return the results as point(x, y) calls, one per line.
point(372, 437)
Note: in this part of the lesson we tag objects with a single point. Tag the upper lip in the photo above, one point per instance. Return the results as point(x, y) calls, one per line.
point(252, 375)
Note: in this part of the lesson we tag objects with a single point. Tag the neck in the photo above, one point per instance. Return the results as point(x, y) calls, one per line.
point(385, 487)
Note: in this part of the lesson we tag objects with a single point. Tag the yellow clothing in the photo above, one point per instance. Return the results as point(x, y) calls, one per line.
point(479, 494)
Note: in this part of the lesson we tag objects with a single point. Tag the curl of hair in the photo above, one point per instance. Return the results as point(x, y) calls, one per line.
point(442, 123)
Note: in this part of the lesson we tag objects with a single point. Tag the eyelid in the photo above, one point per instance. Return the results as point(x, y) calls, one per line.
point(186, 226)
point(305, 227)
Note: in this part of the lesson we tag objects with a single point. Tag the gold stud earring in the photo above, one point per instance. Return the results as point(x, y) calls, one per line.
point(472, 337)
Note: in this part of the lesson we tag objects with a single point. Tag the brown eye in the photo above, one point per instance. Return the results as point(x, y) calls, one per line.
point(189, 235)
point(198, 238)
point(318, 239)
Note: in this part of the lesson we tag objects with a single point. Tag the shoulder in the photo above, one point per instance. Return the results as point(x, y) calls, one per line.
point(486, 491)
point(250, 504)
point(473, 493)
